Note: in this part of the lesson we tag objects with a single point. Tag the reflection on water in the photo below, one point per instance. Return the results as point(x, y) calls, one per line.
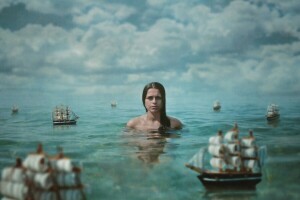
point(274, 123)
point(135, 165)
point(149, 150)
point(62, 127)
point(150, 145)
point(230, 194)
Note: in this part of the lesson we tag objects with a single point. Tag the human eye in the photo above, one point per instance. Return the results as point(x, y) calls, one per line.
point(158, 98)
point(150, 98)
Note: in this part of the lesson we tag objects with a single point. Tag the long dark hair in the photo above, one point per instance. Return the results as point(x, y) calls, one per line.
point(165, 121)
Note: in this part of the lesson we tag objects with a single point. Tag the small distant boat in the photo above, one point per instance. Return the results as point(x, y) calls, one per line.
point(217, 106)
point(63, 115)
point(14, 109)
point(113, 104)
point(234, 164)
point(272, 112)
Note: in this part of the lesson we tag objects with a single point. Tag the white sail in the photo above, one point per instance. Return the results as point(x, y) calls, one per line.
point(13, 190)
point(247, 142)
point(36, 162)
point(67, 179)
point(233, 148)
point(234, 161)
point(216, 140)
point(61, 165)
point(217, 162)
point(13, 174)
point(250, 164)
point(262, 155)
point(217, 103)
point(197, 160)
point(249, 152)
point(43, 180)
point(231, 136)
point(216, 150)
point(273, 108)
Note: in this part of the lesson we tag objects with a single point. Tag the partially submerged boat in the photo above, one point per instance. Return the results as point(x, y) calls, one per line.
point(63, 115)
point(272, 112)
point(233, 162)
point(41, 177)
point(216, 106)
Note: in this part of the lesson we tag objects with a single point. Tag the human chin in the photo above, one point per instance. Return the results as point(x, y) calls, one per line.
point(154, 109)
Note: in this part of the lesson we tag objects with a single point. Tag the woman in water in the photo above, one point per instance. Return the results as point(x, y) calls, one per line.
point(155, 118)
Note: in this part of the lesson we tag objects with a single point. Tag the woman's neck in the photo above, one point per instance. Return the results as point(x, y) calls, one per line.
point(153, 116)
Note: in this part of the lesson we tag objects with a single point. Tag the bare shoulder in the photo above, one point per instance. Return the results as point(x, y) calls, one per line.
point(134, 122)
point(175, 123)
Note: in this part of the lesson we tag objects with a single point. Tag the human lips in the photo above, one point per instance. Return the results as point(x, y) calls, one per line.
point(154, 107)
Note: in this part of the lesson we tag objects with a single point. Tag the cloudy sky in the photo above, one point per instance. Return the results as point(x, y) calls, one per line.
point(109, 47)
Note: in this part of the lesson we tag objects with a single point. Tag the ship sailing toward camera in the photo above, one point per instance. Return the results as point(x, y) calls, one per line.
point(63, 115)
point(217, 106)
point(235, 163)
point(272, 112)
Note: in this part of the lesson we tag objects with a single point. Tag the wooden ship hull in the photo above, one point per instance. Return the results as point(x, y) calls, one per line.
point(216, 180)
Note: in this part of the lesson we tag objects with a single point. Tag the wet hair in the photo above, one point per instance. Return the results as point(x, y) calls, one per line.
point(165, 121)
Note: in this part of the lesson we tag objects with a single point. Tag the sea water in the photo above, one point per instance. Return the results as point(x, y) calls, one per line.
point(120, 165)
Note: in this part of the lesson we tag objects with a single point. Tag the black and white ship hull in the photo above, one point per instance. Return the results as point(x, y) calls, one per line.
point(65, 122)
point(215, 180)
point(273, 117)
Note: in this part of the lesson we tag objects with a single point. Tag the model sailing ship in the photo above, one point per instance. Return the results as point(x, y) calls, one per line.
point(113, 104)
point(216, 106)
point(272, 112)
point(63, 115)
point(42, 177)
point(235, 163)
point(14, 109)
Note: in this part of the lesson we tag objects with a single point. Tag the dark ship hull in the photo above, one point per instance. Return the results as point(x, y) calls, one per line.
point(217, 108)
point(224, 180)
point(272, 117)
point(65, 122)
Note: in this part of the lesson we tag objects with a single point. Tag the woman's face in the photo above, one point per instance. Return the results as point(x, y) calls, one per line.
point(153, 101)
